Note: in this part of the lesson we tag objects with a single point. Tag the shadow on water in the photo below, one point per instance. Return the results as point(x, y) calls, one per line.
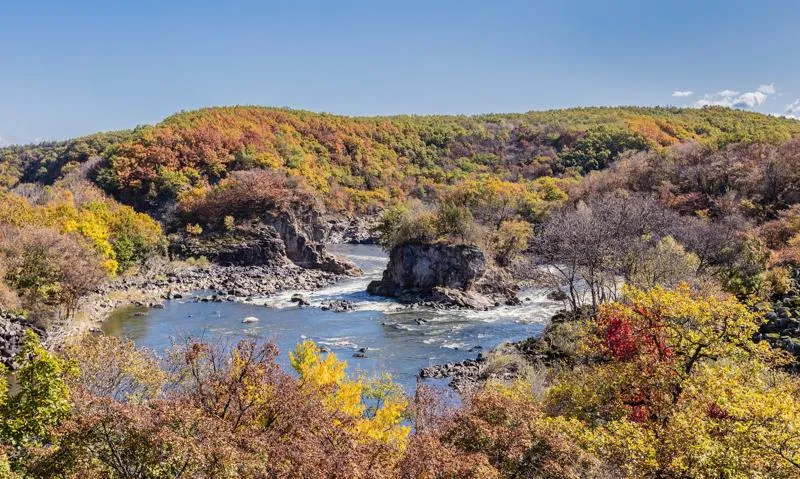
point(399, 341)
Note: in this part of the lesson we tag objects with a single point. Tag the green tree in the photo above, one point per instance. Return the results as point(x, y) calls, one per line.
point(599, 148)
point(42, 399)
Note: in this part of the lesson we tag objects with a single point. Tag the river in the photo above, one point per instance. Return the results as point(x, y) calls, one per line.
point(399, 340)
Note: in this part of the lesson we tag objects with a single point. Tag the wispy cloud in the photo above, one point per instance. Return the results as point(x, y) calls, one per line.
point(682, 93)
point(793, 109)
point(767, 89)
point(737, 99)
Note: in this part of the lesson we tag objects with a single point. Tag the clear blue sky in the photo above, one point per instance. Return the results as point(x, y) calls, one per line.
point(71, 68)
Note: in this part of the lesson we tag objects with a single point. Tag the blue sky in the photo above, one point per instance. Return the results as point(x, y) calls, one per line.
point(72, 68)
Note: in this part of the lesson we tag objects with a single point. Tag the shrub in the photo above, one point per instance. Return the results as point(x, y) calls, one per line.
point(511, 239)
point(194, 229)
point(228, 223)
point(48, 269)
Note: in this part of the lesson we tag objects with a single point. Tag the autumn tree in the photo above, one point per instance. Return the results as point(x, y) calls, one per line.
point(49, 269)
point(41, 400)
point(674, 386)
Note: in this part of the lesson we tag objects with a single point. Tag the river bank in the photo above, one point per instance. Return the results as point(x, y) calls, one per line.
point(174, 280)
point(511, 360)
point(397, 339)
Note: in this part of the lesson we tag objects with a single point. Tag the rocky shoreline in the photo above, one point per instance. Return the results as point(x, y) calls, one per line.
point(222, 283)
point(275, 253)
point(507, 361)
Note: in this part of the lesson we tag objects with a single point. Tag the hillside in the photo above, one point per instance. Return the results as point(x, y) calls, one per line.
point(686, 369)
point(359, 164)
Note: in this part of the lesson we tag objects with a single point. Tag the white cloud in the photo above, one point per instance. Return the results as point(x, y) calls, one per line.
point(682, 93)
point(767, 89)
point(736, 99)
point(793, 109)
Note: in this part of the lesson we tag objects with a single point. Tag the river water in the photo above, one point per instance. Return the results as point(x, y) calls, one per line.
point(399, 340)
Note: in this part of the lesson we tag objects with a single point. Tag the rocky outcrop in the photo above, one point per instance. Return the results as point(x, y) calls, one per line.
point(352, 230)
point(268, 240)
point(469, 374)
point(339, 306)
point(254, 244)
point(464, 375)
point(440, 273)
point(426, 266)
point(782, 328)
point(12, 330)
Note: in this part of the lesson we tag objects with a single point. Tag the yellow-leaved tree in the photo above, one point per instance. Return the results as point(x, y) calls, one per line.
point(377, 408)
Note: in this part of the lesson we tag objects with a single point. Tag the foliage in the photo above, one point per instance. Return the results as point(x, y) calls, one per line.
point(667, 264)
point(360, 163)
point(49, 161)
point(48, 270)
point(224, 412)
point(418, 223)
point(120, 235)
point(674, 386)
point(511, 239)
point(244, 195)
point(600, 240)
point(491, 213)
point(327, 375)
point(114, 368)
point(599, 147)
point(42, 399)
point(495, 435)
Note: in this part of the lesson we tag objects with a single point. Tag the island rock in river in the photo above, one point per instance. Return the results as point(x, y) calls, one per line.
point(442, 273)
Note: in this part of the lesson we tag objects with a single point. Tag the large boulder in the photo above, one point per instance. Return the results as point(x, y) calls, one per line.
point(441, 273)
point(426, 266)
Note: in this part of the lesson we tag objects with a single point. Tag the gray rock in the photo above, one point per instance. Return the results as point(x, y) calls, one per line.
point(438, 274)
point(12, 334)
point(339, 306)
point(300, 300)
point(272, 237)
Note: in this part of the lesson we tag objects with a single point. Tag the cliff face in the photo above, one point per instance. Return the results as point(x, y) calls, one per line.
point(441, 273)
point(269, 239)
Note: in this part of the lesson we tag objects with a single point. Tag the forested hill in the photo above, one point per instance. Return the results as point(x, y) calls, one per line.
point(360, 163)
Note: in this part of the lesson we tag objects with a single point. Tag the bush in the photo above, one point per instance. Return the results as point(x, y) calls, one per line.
point(511, 239)
point(404, 224)
point(194, 229)
point(49, 270)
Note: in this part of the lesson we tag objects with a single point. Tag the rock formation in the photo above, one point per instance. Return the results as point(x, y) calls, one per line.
point(442, 273)
point(267, 240)
point(11, 337)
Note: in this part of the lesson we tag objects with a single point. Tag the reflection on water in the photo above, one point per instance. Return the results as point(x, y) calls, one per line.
point(399, 340)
